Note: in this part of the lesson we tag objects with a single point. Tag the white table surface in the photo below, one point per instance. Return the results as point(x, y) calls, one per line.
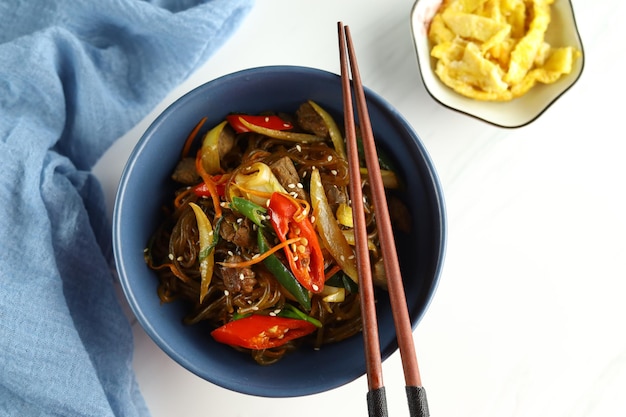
point(529, 316)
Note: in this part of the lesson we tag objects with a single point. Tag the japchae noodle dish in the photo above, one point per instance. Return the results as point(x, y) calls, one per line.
point(258, 237)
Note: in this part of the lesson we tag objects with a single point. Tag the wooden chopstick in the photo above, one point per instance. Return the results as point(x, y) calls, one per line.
point(416, 395)
point(376, 399)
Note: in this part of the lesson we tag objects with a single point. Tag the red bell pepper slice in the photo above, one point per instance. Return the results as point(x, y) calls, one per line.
point(262, 332)
point(268, 122)
point(305, 258)
point(203, 190)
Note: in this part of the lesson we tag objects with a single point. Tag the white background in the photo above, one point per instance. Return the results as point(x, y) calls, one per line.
point(528, 319)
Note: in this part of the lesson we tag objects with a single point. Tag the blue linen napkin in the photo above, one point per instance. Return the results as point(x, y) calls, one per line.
point(74, 76)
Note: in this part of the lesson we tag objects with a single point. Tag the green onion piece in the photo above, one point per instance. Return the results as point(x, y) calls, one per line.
point(252, 211)
point(289, 311)
point(282, 273)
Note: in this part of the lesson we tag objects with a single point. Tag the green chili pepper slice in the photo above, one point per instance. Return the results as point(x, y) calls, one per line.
point(251, 210)
point(283, 274)
point(257, 215)
point(292, 312)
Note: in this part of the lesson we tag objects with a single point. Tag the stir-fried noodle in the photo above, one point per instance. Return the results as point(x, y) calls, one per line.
point(240, 285)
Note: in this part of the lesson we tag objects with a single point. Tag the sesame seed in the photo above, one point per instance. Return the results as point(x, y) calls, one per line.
point(145, 250)
point(240, 220)
point(267, 119)
point(312, 219)
point(226, 293)
point(299, 185)
point(333, 171)
point(230, 253)
point(299, 148)
point(291, 185)
point(242, 276)
point(255, 308)
point(315, 287)
point(180, 259)
point(256, 255)
point(171, 256)
point(343, 258)
point(330, 158)
point(272, 314)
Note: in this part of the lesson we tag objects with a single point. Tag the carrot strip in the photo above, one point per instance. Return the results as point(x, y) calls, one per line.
point(332, 271)
point(302, 212)
point(262, 194)
point(210, 184)
point(191, 137)
point(178, 201)
point(261, 256)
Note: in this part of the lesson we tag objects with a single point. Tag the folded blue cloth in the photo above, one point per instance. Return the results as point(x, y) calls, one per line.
point(74, 76)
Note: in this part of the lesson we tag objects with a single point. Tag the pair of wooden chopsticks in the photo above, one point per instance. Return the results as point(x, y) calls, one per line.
point(376, 399)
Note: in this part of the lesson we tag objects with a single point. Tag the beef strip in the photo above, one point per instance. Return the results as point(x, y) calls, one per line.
point(238, 230)
point(226, 142)
point(185, 172)
point(238, 280)
point(287, 175)
point(335, 195)
point(309, 120)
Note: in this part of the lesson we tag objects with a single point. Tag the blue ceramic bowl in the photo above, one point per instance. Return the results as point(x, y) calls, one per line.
point(146, 184)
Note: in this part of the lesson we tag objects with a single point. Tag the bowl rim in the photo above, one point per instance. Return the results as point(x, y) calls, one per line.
point(434, 96)
point(119, 256)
